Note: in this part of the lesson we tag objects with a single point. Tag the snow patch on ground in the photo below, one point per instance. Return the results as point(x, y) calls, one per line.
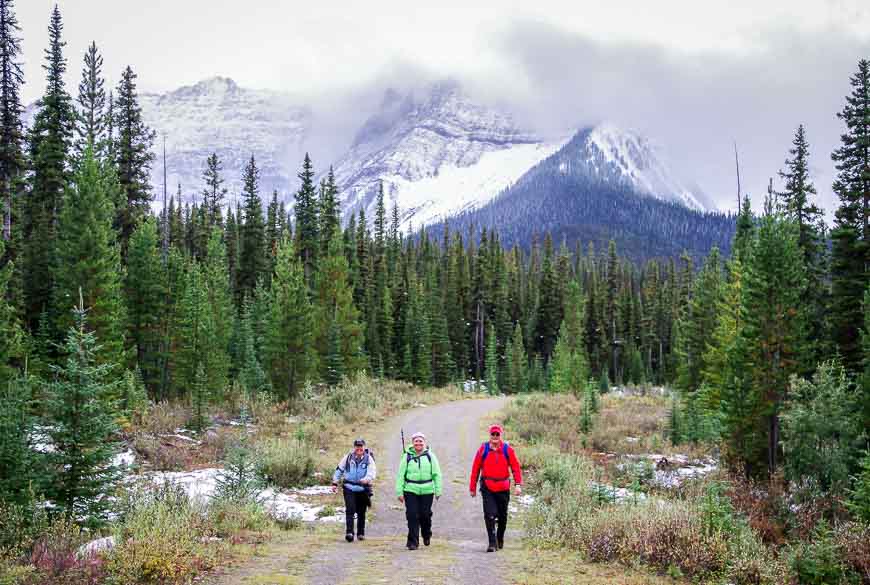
point(201, 485)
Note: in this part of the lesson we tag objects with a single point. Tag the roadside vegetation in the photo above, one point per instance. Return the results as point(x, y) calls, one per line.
point(622, 491)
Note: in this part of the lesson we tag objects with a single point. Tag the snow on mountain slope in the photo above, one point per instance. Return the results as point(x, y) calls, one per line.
point(629, 157)
point(437, 154)
point(216, 115)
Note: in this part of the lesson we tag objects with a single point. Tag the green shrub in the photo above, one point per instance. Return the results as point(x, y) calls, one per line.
point(241, 479)
point(228, 518)
point(820, 561)
point(859, 497)
point(163, 539)
point(286, 462)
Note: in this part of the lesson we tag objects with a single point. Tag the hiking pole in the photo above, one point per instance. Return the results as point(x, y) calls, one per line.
point(402, 432)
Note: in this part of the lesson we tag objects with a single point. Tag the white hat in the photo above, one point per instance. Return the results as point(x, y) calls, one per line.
point(418, 434)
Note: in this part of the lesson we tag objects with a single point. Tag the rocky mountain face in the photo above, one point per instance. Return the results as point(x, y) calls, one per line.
point(216, 115)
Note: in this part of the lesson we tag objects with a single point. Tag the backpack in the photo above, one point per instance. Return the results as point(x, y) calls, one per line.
point(409, 458)
point(486, 450)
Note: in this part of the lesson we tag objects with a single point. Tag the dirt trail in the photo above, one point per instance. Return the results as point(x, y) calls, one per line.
point(457, 554)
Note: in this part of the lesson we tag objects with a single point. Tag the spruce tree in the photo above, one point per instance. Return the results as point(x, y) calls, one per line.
point(797, 203)
point(12, 161)
point(698, 323)
point(491, 362)
point(850, 256)
point(145, 289)
point(11, 336)
point(220, 303)
point(133, 157)
point(517, 365)
point(775, 331)
point(200, 397)
point(329, 212)
point(50, 141)
point(91, 119)
point(18, 459)
point(337, 318)
point(81, 413)
point(88, 260)
point(307, 237)
point(214, 193)
point(290, 356)
point(192, 331)
point(252, 253)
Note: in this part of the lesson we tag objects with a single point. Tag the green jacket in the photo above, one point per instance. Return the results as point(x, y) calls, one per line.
point(418, 475)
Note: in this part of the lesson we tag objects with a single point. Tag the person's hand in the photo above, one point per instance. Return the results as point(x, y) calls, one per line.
point(519, 489)
point(365, 481)
point(402, 499)
point(473, 493)
point(334, 489)
point(438, 497)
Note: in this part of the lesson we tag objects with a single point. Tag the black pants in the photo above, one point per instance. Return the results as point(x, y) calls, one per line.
point(418, 511)
point(495, 513)
point(355, 503)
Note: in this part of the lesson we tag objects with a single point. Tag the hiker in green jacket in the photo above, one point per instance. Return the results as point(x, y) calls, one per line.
point(418, 482)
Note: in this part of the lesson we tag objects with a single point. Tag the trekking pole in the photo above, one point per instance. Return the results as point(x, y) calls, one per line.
point(402, 432)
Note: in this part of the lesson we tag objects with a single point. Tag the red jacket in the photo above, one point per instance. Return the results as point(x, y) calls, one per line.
point(496, 469)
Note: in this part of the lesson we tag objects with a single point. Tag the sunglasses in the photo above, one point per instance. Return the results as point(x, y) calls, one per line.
point(359, 444)
point(495, 434)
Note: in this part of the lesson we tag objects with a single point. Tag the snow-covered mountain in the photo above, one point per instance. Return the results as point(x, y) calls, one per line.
point(438, 151)
point(440, 154)
point(609, 154)
point(437, 154)
point(216, 115)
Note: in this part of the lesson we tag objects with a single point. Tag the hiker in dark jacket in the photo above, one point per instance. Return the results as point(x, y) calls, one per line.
point(417, 483)
point(358, 470)
point(494, 463)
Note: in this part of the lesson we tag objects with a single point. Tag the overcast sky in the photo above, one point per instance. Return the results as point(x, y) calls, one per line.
point(693, 76)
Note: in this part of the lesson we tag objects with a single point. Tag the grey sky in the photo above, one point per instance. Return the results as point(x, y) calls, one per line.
point(692, 75)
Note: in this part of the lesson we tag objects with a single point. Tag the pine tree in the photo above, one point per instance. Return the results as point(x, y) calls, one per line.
point(232, 239)
point(339, 329)
point(200, 397)
point(12, 161)
point(220, 303)
point(81, 415)
point(698, 323)
point(329, 213)
point(133, 157)
point(18, 460)
point(273, 237)
point(214, 193)
point(88, 259)
point(774, 329)
point(191, 330)
point(850, 262)
point(290, 357)
point(91, 119)
point(307, 237)
point(797, 204)
point(491, 362)
point(549, 311)
point(50, 140)
point(252, 254)
point(145, 289)
point(517, 362)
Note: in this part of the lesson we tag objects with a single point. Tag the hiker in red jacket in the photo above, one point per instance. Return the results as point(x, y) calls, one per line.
point(494, 462)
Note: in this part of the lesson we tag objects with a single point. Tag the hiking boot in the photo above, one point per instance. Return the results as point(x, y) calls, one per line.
point(360, 536)
point(426, 540)
point(500, 543)
point(490, 548)
point(349, 537)
point(412, 547)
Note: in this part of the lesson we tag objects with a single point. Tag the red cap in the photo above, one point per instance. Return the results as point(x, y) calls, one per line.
point(496, 429)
